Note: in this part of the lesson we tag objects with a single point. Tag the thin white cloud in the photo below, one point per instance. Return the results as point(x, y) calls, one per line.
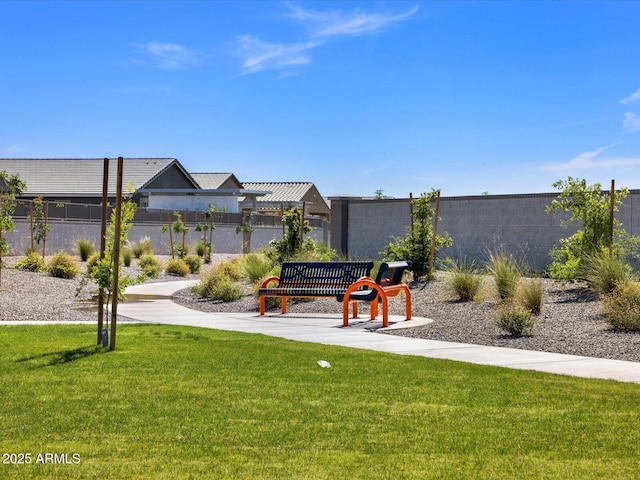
point(631, 122)
point(338, 23)
point(590, 161)
point(634, 97)
point(171, 56)
point(258, 55)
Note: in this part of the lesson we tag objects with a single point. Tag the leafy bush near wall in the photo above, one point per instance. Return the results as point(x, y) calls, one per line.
point(416, 245)
point(32, 261)
point(63, 265)
point(150, 265)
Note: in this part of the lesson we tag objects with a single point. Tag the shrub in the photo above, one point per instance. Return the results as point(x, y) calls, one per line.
point(150, 265)
point(231, 269)
point(216, 285)
point(193, 262)
point(464, 278)
point(63, 265)
point(177, 266)
point(85, 247)
point(33, 262)
point(622, 307)
point(529, 295)
point(514, 319)
point(602, 274)
point(270, 302)
point(91, 261)
point(256, 266)
point(506, 272)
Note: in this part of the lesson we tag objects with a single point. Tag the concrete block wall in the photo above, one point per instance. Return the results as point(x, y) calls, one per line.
point(225, 238)
point(516, 223)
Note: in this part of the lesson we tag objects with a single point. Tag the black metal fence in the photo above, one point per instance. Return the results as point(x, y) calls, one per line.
point(70, 212)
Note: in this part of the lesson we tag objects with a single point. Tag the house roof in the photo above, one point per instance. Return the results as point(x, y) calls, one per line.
point(215, 181)
point(281, 191)
point(83, 176)
point(291, 192)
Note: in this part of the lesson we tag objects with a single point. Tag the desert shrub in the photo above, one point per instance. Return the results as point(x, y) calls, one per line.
point(231, 268)
point(256, 266)
point(622, 307)
point(91, 261)
point(464, 279)
point(63, 265)
point(84, 247)
point(150, 265)
point(514, 319)
point(199, 248)
point(506, 272)
point(126, 255)
point(177, 266)
point(33, 262)
point(216, 285)
point(193, 262)
point(529, 294)
point(602, 273)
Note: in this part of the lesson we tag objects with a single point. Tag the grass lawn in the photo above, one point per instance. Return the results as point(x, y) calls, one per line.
point(176, 403)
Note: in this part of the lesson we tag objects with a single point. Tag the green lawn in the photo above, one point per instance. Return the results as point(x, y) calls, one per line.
point(175, 403)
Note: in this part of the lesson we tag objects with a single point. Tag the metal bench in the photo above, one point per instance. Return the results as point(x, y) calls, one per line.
point(312, 279)
point(388, 283)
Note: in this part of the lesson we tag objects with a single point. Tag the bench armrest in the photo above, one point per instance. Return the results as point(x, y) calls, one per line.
point(269, 279)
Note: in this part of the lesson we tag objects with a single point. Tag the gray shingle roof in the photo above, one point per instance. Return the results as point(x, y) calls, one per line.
point(83, 176)
point(214, 181)
point(281, 191)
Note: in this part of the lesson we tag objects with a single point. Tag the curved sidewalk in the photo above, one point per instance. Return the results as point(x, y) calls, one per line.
point(151, 303)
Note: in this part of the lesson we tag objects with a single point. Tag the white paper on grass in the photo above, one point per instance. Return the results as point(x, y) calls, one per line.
point(324, 364)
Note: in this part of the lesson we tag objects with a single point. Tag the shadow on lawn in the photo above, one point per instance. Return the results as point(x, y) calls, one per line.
point(62, 356)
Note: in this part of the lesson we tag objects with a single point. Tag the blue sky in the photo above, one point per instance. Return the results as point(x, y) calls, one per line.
point(466, 97)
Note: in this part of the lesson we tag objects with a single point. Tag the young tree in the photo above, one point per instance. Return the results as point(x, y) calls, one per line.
point(291, 243)
point(208, 226)
point(178, 227)
point(8, 203)
point(591, 206)
point(416, 246)
point(40, 229)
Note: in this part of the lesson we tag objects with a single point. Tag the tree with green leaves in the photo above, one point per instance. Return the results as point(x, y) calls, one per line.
point(8, 203)
point(178, 227)
point(208, 226)
point(40, 229)
point(415, 247)
point(591, 206)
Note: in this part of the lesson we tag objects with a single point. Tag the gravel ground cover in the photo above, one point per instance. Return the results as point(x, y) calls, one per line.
point(571, 321)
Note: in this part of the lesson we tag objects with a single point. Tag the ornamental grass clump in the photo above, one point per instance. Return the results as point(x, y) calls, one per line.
point(464, 278)
point(256, 266)
point(506, 272)
point(514, 319)
point(32, 261)
point(84, 247)
point(603, 273)
point(529, 294)
point(63, 265)
point(622, 307)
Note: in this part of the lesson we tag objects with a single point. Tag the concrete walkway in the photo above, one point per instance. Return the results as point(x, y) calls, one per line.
point(151, 302)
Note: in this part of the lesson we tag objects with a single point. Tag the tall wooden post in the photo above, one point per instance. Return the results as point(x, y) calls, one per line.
point(435, 233)
point(103, 242)
point(116, 255)
point(611, 208)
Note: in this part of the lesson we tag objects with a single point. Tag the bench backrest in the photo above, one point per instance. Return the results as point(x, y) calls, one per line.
point(322, 274)
point(390, 273)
